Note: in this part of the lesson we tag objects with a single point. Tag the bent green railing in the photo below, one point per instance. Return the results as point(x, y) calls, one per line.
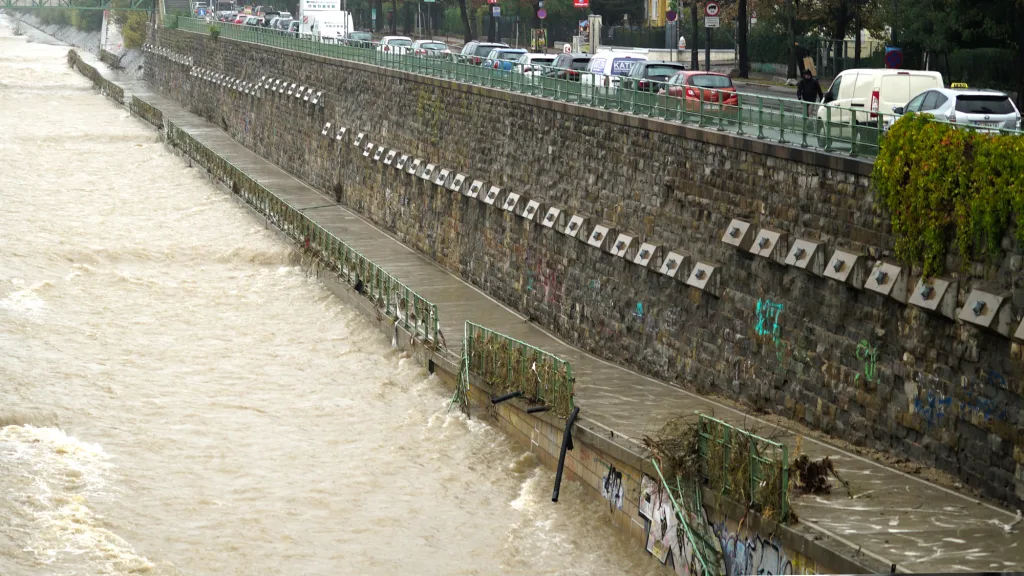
point(748, 468)
point(413, 312)
point(510, 365)
point(851, 130)
point(703, 548)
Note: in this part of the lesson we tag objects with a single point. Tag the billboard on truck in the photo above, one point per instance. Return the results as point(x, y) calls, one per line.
point(310, 9)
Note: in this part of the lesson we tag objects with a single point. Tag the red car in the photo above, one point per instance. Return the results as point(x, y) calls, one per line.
point(717, 90)
point(240, 19)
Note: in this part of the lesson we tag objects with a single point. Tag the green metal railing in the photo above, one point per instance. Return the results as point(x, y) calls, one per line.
point(510, 365)
point(704, 549)
point(852, 130)
point(414, 313)
point(125, 5)
point(744, 466)
point(106, 87)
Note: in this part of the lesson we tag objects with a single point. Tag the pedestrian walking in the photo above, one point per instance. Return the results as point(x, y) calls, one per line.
point(808, 90)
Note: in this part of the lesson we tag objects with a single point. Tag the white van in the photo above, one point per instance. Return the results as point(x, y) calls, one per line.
point(606, 66)
point(874, 90)
point(331, 27)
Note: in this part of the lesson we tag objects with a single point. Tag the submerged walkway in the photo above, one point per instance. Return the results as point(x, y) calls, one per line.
point(895, 518)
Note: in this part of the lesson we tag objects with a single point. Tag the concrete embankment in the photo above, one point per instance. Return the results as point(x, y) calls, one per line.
point(129, 60)
point(619, 407)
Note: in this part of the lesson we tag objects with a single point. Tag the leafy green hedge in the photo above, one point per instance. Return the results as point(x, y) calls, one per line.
point(942, 184)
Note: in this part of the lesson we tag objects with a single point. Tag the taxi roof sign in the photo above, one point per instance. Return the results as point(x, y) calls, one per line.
point(956, 85)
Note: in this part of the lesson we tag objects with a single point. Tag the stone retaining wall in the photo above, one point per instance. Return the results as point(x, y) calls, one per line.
point(848, 362)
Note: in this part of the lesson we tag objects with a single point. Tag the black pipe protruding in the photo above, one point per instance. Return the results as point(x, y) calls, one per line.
point(508, 396)
point(566, 442)
point(536, 409)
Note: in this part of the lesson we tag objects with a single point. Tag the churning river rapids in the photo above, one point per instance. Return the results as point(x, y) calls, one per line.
point(178, 398)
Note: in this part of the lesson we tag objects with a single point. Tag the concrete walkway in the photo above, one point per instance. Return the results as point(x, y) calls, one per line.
point(895, 518)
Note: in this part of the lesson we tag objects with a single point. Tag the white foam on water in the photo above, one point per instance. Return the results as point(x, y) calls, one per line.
point(49, 479)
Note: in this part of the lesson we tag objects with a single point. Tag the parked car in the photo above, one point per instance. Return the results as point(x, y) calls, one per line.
point(565, 67)
point(430, 49)
point(989, 110)
point(225, 16)
point(474, 52)
point(650, 75)
point(395, 45)
point(358, 39)
point(253, 21)
point(293, 28)
point(503, 58)
point(715, 90)
point(530, 61)
point(872, 89)
point(240, 18)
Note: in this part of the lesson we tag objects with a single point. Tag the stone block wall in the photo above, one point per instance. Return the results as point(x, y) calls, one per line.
point(852, 363)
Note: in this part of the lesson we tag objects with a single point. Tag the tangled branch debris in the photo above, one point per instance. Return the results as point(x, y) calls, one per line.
point(813, 475)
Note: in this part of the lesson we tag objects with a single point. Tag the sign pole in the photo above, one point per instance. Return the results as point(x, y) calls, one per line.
point(707, 49)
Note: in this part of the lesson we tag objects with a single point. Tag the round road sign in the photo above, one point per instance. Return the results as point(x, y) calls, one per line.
point(893, 57)
point(711, 9)
point(542, 13)
point(670, 16)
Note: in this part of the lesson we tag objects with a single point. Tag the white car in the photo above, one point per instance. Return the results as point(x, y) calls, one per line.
point(430, 49)
point(529, 62)
point(606, 67)
point(395, 45)
point(986, 110)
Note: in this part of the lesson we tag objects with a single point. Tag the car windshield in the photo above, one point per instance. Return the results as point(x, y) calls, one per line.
point(984, 104)
point(399, 42)
point(509, 55)
point(541, 61)
point(712, 81)
point(662, 71)
point(286, 15)
point(433, 46)
point(361, 36)
point(580, 63)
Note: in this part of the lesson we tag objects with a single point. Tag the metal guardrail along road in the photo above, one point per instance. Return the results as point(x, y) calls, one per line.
point(128, 5)
point(854, 131)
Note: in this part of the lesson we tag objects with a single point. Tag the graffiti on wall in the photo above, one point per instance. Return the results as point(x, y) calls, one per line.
point(741, 555)
point(934, 405)
point(767, 327)
point(867, 354)
point(754, 555)
point(611, 487)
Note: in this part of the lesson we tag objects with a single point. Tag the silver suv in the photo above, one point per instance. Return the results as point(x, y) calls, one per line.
point(986, 109)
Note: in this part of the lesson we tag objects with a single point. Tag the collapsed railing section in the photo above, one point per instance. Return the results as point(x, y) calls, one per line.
point(509, 365)
point(745, 467)
point(414, 313)
point(691, 527)
point(107, 88)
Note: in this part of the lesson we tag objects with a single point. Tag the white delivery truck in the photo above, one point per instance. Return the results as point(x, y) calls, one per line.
point(309, 10)
point(331, 27)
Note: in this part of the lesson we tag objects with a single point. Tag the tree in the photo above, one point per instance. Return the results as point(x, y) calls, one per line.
point(466, 28)
point(741, 39)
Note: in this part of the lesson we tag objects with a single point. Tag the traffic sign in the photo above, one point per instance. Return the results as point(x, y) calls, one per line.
point(682, 43)
point(495, 10)
point(711, 10)
point(567, 48)
point(753, 17)
point(580, 3)
point(711, 22)
point(670, 15)
point(893, 57)
point(542, 13)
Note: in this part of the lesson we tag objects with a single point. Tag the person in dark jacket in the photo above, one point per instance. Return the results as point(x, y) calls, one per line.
point(808, 90)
